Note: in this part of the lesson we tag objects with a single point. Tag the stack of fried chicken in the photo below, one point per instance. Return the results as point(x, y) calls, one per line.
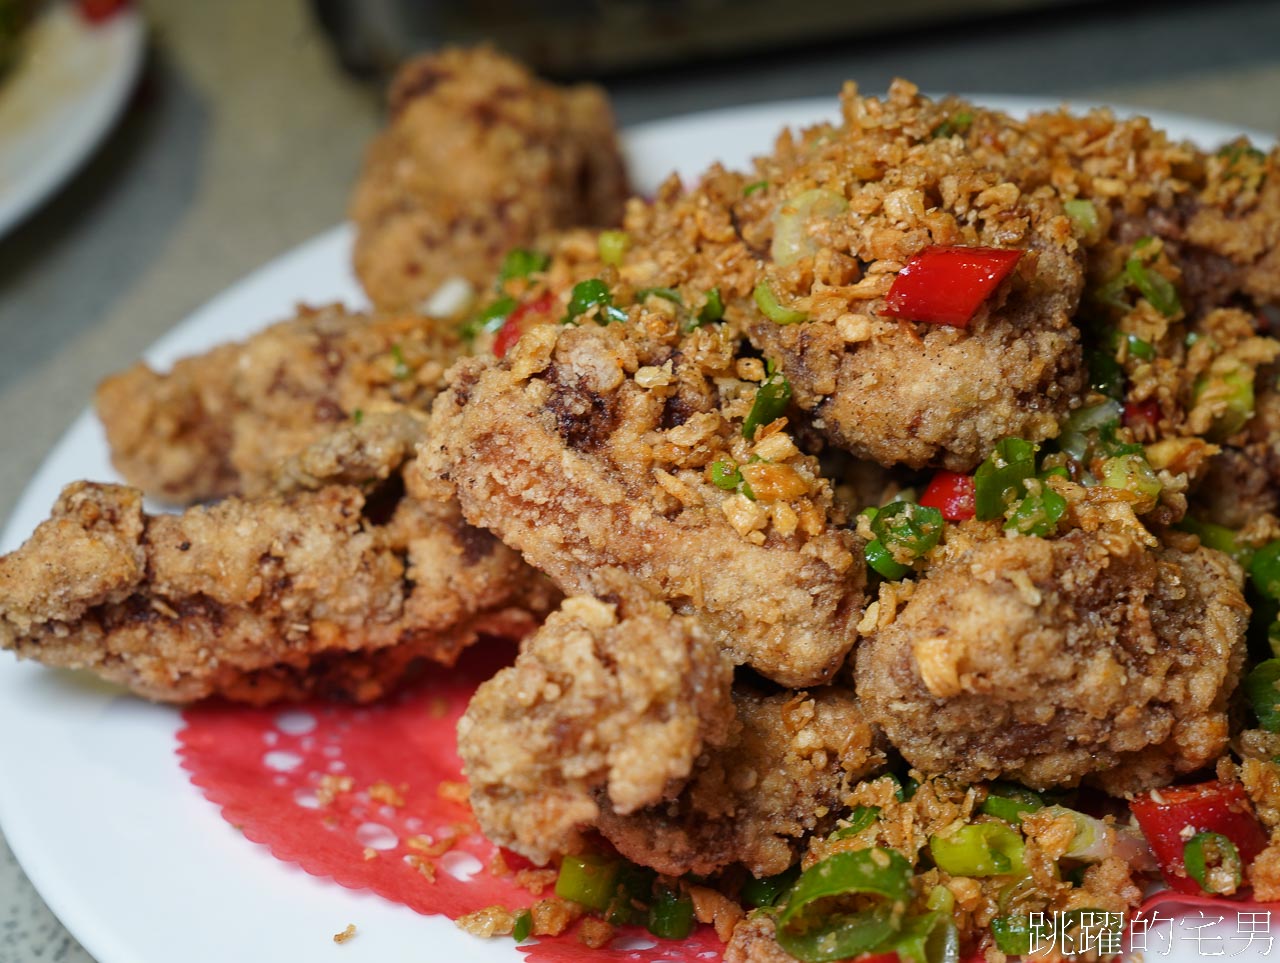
point(644, 447)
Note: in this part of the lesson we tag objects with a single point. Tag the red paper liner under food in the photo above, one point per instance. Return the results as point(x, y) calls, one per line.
point(366, 796)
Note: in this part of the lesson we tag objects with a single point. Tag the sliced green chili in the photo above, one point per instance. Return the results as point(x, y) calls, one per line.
point(713, 310)
point(521, 262)
point(1000, 478)
point(1038, 514)
point(927, 938)
point(1264, 569)
point(979, 849)
point(957, 123)
point(524, 926)
point(771, 401)
point(1016, 936)
point(1131, 473)
point(857, 821)
point(908, 530)
point(768, 890)
point(725, 474)
point(770, 307)
point(808, 932)
point(667, 294)
point(1206, 851)
point(880, 559)
point(671, 915)
point(588, 879)
point(1262, 689)
point(1008, 802)
point(752, 188)
point(593, 293)
point(490, 319)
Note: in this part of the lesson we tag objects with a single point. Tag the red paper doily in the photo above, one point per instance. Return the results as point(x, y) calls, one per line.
point(361, 795)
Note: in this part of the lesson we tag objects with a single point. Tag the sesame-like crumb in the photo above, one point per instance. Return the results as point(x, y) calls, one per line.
point(594, 932)
point(331, 787)
point(553, 916)
point(453, 791)
point(383, 792)
point(370, 853)
point(422, 865)
point(536, 880)
point(347, 934)
point(488, 922)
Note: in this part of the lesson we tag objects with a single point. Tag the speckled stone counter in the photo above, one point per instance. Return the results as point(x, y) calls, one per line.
point(244, 138)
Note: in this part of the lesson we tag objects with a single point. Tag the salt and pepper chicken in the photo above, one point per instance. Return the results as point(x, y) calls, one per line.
point(910, 493)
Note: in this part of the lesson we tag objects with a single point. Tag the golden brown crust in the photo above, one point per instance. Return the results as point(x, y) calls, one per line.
point(589, 450)
point(221, 422)
point(478, 157)
point(780, 779)
point(275, 598)
point(599, 701)
point(1053, 660)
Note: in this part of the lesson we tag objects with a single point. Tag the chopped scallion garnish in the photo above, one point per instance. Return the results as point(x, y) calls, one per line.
point(612, 246)
point(593, 293)
point(772, 309)
point(520, 263)
point(588, 879)
point(771, 401)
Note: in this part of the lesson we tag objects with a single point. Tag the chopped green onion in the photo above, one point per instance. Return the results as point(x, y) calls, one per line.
point(1131, 473)
point(1239, 400)
point(1218, 537)
point(810, 932)
point(1152, 285)
point(767, 891)
point(1140, 348)
point(1205, 852)
point(490, 319)
point(1037, 514)
point(357, 416)
point(1008, 802)
point(725, 474)
point(667, 294)
point(1074, 438)
point(1000, 478)
point(908, 530)
point(941, 900)
point(712, 311)
point(671, 915)
point(1262, 689)
point(752, 188)
point(979, 849)
point(768, 304)
point(857, 821)
point(1264, 569)
point(771, 401)
point(1084, 216)
point(520, 263)
point(524, 926)
point(593, 294)
point(1016, 936)
point(957, 123)
point(612, 246)
point(401, 370)
point(588, 879)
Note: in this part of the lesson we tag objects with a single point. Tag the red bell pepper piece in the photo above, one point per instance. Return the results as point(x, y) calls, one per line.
point(952, 494)
point(515, 324)
point(1169, 817)
point(1140, 414)
point(96, 11)
point(947, 285)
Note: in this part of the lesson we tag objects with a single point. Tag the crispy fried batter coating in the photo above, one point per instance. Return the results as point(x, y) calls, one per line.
point(590, 449)
point(257, 600)
point(845, 208)
point(478, 157)
point(221, 422)
point(1094, 655)
point(781, 778)
point(622, 703)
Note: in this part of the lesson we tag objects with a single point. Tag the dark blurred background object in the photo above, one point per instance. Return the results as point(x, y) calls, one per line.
point(594, 38)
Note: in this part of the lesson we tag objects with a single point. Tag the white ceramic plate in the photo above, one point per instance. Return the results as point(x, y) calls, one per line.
point(126, 852)
point(60, 99)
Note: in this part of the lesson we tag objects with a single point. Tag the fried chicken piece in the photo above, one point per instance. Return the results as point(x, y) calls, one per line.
point(220, 423)
point(1097, 655)
point(602, 697)
point(845, 208)
point(479, 157)
point(781, 778)
point(592, 451)
point(258, 600)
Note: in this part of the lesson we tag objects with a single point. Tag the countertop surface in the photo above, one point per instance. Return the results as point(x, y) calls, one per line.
point(244, 137)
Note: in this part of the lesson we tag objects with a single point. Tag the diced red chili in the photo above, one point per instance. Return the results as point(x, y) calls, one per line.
point(96, 11)
point(1169, 817)
point(1141, 414)
point(952, 494)
point(947, 285)
point(515, 325)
